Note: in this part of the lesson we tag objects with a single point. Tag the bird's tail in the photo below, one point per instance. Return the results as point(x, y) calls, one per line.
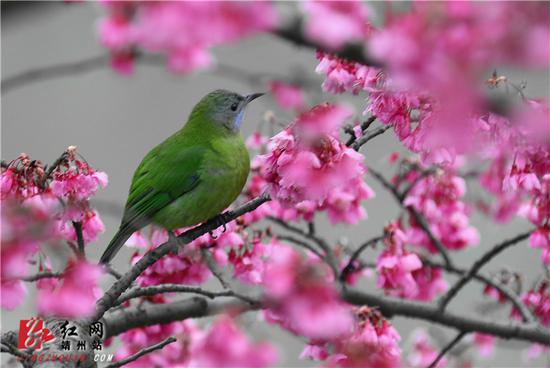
point(116, 243)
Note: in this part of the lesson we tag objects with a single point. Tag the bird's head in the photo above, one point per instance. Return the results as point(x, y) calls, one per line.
point(225, 108)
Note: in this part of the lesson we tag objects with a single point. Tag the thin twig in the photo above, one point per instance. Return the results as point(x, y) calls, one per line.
point(142, 352)
point(364, 126)
point(54, 71)
point(477, 266)
point(418, 217)
point(138, 292)
point(370, 135)
point(40, 276)
point(447, 348)
point(350, 267)
point(300, 243)
point(505, 290)
point(321, 243)
point(212, 266)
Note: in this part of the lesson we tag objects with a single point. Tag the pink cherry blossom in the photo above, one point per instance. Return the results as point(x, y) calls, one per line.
point(395, 265)
point(346, 76)
point(13, 293)
point(438, 198)
point(227, 346)
point(307, 162)
point(75, 295)
point(286, 95)
point(372, 344)
point(182, 31)
point(301, 298)
point(538, 301)
point(335, 23)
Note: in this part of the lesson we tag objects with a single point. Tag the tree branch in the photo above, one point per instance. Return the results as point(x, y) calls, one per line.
point(398, 307)
point(122, 320)
point(477, 266)
point(142, 352)
point(138, 292)
point(122, 284)
point(447, 348)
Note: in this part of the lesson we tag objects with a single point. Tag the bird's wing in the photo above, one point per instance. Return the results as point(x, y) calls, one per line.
point(165, 174)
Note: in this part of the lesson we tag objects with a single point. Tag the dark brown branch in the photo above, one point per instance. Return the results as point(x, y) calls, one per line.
point(212, 267)
point(142, 352)
point(447, 348)
point(477, 266)
point(154, 255)
point(398, 307)
point(121, 320)
point(354, 52)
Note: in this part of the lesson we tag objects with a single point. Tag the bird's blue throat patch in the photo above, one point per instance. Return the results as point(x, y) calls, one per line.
point(239, 119)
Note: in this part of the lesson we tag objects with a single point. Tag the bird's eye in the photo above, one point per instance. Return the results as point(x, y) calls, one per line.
point(234, 106)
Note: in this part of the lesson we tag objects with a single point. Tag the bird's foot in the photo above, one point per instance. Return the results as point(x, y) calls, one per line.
point(212, 235)
point(221, 220)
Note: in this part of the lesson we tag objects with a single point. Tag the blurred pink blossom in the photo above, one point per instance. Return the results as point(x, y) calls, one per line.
point(374, 343)
point(301, 297)
point(182, 31)
point(288, 96)
point(224, 345)
point(75, 295)
point(335, 23)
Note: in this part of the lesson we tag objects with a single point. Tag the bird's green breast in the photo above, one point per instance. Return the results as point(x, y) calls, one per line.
point(223, 172)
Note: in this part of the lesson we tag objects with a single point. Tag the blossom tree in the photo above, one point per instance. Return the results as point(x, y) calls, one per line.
point(429, 75)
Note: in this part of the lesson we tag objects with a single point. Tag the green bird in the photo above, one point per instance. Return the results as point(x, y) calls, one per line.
point(193, 175)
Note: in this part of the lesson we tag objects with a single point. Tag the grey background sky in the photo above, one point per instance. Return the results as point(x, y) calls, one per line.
point(115, 120)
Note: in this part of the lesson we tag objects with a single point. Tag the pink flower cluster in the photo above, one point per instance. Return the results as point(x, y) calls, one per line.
point(335, 23)
point(38, 209)
point(227, 346)
point(223, 345)
point(307, 166)
point(374, 343)
point(538, 300)
point(401, 273)
point(301, 298)
point(432, 111)
point(183, 31)
point(438, 198)
point(288, 96)
point(75, 295)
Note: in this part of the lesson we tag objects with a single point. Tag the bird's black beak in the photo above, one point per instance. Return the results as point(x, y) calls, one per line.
point(252, 97)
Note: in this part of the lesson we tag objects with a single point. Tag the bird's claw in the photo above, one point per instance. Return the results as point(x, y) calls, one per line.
point(212, 235)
